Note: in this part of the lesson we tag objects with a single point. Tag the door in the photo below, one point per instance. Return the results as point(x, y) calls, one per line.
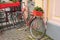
point(54, 11)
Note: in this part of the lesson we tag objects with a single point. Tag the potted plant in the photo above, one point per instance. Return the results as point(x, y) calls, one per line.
point(38, 11)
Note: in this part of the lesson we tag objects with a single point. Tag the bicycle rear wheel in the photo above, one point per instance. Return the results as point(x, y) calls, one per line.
point(37, 28)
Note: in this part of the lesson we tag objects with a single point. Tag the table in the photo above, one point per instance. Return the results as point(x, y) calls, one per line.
point(9, 5)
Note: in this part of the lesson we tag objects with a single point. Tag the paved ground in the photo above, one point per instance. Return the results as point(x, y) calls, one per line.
point(16, 34)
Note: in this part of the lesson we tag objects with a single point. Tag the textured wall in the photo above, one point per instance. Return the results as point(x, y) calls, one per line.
point(38, 3)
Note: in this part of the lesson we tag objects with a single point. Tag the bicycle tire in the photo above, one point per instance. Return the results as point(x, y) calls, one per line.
point(42, 30)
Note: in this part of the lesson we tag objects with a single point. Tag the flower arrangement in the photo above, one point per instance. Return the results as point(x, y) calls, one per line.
point(38, 11)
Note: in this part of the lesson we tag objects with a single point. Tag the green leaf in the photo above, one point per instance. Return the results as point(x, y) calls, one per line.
point(13, 0)
point(38, 9)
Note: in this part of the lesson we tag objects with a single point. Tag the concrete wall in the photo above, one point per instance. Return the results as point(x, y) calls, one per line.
point(53, 31)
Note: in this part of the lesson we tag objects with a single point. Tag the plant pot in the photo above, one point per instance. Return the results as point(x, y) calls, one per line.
point(37, 13)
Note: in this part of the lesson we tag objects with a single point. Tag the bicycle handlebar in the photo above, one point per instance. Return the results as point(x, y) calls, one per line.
point(25, 5)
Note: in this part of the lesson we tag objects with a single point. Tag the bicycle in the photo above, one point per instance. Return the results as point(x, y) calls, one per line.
point(36, 26)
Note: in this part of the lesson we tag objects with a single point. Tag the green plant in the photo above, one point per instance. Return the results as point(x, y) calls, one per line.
point(13, 0)
point(38, 9)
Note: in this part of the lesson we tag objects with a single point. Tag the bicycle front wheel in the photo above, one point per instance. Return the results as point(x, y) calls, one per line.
point(37, 28)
